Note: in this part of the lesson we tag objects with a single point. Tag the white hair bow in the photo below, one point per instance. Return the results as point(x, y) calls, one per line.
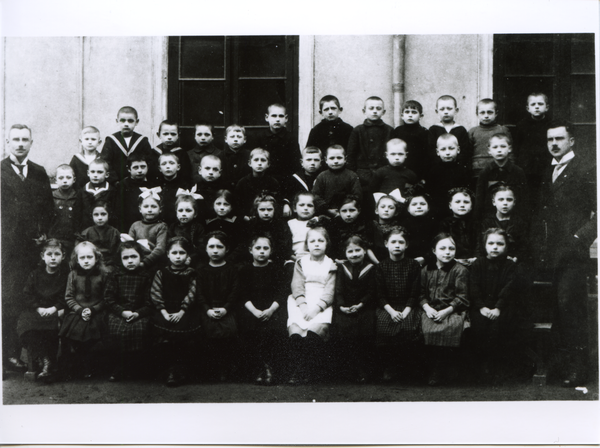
point(395, 194)
point(153, 192)
point(191, 193)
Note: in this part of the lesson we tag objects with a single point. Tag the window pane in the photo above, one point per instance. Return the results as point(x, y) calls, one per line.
point(517, 90)
point(529, 57)
point(583, 104)
point(262, 56)
point(202, 101)
point(582, 54)
point(202, 57)
point(254, 97)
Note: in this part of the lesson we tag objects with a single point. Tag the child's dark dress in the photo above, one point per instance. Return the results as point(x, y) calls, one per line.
point(421, 230)
point(106, 239)
point(130, 292)
point(278, 229)
point(194, 233)
point(464, 232)
point(340, 231)
point(516, 228)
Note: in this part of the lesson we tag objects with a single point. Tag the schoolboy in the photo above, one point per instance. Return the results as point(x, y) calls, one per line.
point(257, 182)
point(210, 183)
point(280, 143)
point(418, 139)
point(337, 181)
point(26, 206)
point(445, 175)
point(168, 134)
point(395, 174)
point(129, 190)
point(500, 169)
point(67, 208)
point(97, 189)
point(302, 180)
point(170, 182)
point(205, 145)
point(118, 146)
point(332, 130)
point(234, 156)
point(446, 108)
point(479, 136)
point(90, 140)
point(366, 147)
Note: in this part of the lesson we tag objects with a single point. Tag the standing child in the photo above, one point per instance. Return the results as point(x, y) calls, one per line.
point(234, 157)
point(218, 296)
point(445, 300)
point(43, 297)
point(150, 229)
point(261, 320)
point(170, 184)
point(266, 219)
point(90, 140)
point(332, 130)
point(204, 137)
point(304, 206)
point(85, 322)
point(354, 315)
point(387, 209)
point(67, 209)
point(189, 225)
point(397, 284)
point(168, 134)
point(461, 225)
point(122, 144)
point(102, 235)
point(97, 189)
point(309, 307)
point(211, 181)
point(176, 319)
point(227, 221)
point(129, 311)
point(447, 108)
point(302, 180)
point(130, 188)
point(420, 225)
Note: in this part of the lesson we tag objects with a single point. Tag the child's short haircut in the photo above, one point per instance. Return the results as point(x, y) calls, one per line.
point(357, 240)
point(186, 198)
point(461, 190)
point(90, 130)
point(302, 193)
point(136, 156)
point(235, 127)
point(396, 141)
point(101, 204)
point(501, 136)
point(486, 102)
point(262, 151)
point(412, 104)
point(281, 106)
point(167, 123)
point(339, 147)
point(318, 229)
point(19, 127)
point(128, 110)
point(212, 157)
point(447, 137)
point(495, 231)
point(65, 167)
point(219, 235)
point(446, 98)
point(374, 98)
point(52, 243)
point(543, 95)
point(441, 236)
point(209, 126)
point(264, 197)
point(257, 236)
point(501, 186)
point(395, 230)
point(351, 199)
point(168, 154)
point(99, 161)
point(181, 242)
point(74, 255)
point(328, 99)
point(311, 150)
point(131, 245)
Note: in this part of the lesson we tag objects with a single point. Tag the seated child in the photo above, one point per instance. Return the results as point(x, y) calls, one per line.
point(122, 144)
point(445, 301)
point(280, 143)
point(102, 235)
point(487, 113)
point(168, 134)
point(210, 182)
point(176, 316)
point(129, 306)
point(492, 291)
point(150, 229)
point(419, 222)
point(348, 223)
point(189, 226)
point(302, 180)
point(335, 183)
point(262, 323)
point(461, 225)
point(397, 292)
point(501, 169)
point(90, 140)
point(418, 139)
point(97, 189)
point(354, 311)
point(266, 220)
point(84, 323)
point(387, 210)
point(257, 182)
point(170, 184)
point(44, 299)
point(227, 221)
point(234, 157)
point(204, 137)
point(332, 130)
point(310, 308)
point(447, 108)
point(130, 188)
point(218, 295)
point(67, 209)
point(366, 147)
point(445, 175)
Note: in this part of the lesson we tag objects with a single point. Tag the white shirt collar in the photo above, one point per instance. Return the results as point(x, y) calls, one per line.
point(566, 158)
point(14, 160)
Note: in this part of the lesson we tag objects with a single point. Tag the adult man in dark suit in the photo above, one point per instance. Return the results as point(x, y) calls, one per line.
point(26, 211)
point(565, 230)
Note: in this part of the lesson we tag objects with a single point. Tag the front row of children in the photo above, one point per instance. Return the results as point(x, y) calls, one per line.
point(382, 313)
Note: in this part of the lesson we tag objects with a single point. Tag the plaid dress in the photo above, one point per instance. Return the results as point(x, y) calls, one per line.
point(397, 285)
point(130, 292)
point(441, 288)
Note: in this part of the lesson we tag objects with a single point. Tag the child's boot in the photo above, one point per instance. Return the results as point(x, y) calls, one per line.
point(45, 374)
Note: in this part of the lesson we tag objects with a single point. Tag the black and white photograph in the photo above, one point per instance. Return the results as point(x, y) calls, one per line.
point(305, 224)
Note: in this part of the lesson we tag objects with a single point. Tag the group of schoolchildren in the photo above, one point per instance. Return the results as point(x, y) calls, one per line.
point(213, 257)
